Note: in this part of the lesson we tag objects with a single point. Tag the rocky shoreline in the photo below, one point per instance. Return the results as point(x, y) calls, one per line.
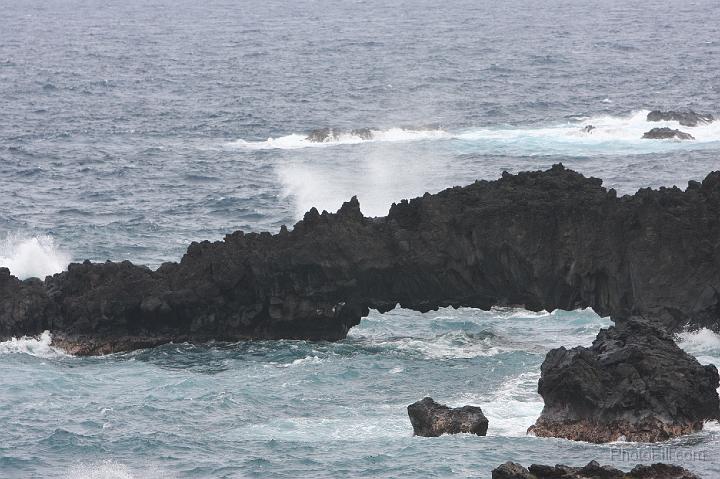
point(593, 470)
point(543, 240)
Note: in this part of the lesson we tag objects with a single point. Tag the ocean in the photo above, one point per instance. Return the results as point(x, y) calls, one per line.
point(129, 129)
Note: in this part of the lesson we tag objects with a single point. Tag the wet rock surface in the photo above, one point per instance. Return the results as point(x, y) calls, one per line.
point(431, 419)
point(667, 133)
point(593, 470)
point(634, 383)
point(685, 118)
point(543, 240)
point(323, 135)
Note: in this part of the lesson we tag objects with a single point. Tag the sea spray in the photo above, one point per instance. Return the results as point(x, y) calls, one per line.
point(38, 346)
point(35, 256)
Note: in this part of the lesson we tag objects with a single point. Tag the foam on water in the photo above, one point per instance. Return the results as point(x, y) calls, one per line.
point(704, 344)
point(513, 407)
point(36, 256)
point(110, 469)
point(450, 345)
point(610, 135)
point(296, 141)
point(39, 346)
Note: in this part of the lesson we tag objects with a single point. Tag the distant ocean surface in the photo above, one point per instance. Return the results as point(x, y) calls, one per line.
point(129, 129)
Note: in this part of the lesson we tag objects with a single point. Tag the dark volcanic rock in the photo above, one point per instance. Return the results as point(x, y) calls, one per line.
point(512, 470)
point(364, 133)
point(666, 133)
point(323, 135)
point(542, 240)
point(633, 382)
point(588, 129)
point(431, 419)
point(685, 118)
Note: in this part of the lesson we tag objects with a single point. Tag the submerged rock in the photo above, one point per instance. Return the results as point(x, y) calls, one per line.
point(364, 133)
point(323, 135)
point(512, 470)
point(685, 118)
point(634, 383)
point(543, 240)
point(666, 133)
point(431, 419)
point(588, 129)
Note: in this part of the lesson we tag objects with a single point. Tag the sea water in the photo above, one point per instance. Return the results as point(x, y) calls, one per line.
point(129, 129)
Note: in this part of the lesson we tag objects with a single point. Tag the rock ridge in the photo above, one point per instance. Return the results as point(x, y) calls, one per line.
point(543, 240)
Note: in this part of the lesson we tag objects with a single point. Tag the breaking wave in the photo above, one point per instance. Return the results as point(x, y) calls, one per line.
point(295, 141)
point(608, 135)
point(704, 344)
point(38, 346)
point(37, 256)
point(512, 408)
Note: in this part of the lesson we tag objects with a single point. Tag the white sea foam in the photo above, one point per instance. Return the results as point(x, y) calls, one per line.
point(40, 346)
point(111, 470)
point(295, 141)
point(451, 345)
point(36, 256)
point(704, 344)
point(610, 134)
point(512, 408)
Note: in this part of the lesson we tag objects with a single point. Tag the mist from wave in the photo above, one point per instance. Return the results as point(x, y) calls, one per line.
point(32, 256)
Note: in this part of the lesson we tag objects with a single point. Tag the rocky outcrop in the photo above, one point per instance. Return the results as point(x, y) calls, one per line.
point(323, 135)
point(542, 240)
point(634, 382)
point(667, 133)
point(512, 470)
point(685, 118)
point(431, 419)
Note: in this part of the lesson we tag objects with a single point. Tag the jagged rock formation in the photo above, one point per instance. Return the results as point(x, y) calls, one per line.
point(666, 133)
point(633, 382)
point(542, 240)
point(685, 118)
point(431, 419)
point(512, 470)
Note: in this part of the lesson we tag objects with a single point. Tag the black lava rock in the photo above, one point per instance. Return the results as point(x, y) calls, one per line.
point(667, 133)
point(512, 470)
point(543, 240)
point(685, 118)
point(431, 419)
point(633, 382)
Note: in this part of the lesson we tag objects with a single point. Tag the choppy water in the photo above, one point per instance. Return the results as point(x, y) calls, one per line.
point(129, 129)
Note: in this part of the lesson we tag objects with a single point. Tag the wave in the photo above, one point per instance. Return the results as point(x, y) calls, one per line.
point(704, 344)
point(608, 135)
point(38, 346)
point(110, 469)
point(296, 141)
point(450, 345)
point(37, 256)
point(512, 408)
